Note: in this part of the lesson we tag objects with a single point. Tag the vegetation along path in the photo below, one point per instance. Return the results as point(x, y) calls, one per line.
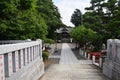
point(70, 68)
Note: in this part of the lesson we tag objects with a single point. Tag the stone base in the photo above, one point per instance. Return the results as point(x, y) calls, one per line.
point(112, 70)
point(107, 70)
point(32, 71)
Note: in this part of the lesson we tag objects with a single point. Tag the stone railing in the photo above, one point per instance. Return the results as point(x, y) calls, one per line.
point(111, 66)
point(97, 60)
point(4, 42)
point(21, 61)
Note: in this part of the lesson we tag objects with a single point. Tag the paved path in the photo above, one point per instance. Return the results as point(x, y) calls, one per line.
point(73, 72)
point(67, 56)
point(72, 69)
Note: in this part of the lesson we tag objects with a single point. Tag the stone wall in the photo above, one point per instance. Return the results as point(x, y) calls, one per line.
point(21, 61)
point(111, 66)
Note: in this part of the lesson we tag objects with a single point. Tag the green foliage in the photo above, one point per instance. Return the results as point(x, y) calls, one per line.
point(103, 17)
point(83, 35)
point(23, 19)
point(49, 41)
point(51, 15)
point(76, 17)
point(45, 55)
point(87, 37)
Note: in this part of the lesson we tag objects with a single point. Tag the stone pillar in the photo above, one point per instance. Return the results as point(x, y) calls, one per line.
point(15, 61)
point(88, 56)
point(85, 54)
point(25, 56)
point(36, 51)
point(93, 59)
point(80, 51)
point(109, 48)
point(100, 62)
point(28, 55)
point(31, 50)
point(40, 48)
point(21, 59)
point(2, 73)
point(8, 64)
point(37, 54)
point(107, 65)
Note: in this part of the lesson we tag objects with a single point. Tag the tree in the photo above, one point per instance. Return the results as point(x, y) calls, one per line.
point(21, 20)
point(76, 17)
point(83, 35)
point(102, 18)
point(51, 15)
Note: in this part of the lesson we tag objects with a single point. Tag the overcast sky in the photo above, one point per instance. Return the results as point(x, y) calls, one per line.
point(67, 7)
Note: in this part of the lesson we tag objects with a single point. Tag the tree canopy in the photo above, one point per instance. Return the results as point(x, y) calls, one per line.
point(103, 18)
point(83, 35)
point(76, 17)
point(22, 19)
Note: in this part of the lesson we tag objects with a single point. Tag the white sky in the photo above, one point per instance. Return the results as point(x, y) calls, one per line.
point(67, 7)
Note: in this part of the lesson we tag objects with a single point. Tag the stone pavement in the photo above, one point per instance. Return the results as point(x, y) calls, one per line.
point(67, 56)
point(73, 72)
point(69, 68)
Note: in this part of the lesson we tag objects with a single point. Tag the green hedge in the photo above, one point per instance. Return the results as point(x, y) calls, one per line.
point(45, 55)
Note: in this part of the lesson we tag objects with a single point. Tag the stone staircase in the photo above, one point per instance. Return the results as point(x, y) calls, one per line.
point(73, 72)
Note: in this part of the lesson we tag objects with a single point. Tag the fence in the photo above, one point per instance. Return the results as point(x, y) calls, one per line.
point(97, 57)
point(21, 60)
point(111, 67)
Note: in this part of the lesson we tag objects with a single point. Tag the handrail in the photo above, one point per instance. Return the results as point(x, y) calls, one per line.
point(15, 56)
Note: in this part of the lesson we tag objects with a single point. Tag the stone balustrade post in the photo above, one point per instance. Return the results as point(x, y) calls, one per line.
point(16, 64)
point(2, 72)
point(85, 54)
point(40, 48)
point(31, 49)
point(93, 59)
point(8, 64)
point(88, 56)
point(100, 62)
point(34, 51)
point(21, 59)
point(82, 52)
point(37, 50)
point(26, 56)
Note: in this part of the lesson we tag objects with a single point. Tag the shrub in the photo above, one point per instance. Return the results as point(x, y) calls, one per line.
point(45, 55)
point(50, 41)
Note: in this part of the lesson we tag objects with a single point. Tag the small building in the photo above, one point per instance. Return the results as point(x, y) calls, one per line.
point(63, 34)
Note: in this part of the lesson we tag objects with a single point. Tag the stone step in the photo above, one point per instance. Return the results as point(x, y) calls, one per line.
point(73, 72)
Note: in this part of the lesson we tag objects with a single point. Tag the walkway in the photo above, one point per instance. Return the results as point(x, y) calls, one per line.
point(67, 56)
point(69, 68)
